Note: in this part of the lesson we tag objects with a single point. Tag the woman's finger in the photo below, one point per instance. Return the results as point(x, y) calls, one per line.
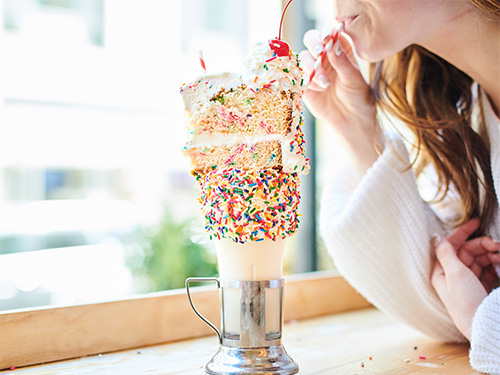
point(481, 263)
point(348, 72)
point(452, 266)
point(482, 248)
point(438, 278)
point(313, 42)
point(480, 245)
point(307, 62)
point(473, 247)
point(310, 61)
point(493, 257)
point(462, 232)
point(483, 260)
point(348, 49)
point(476, 269)
point(488, 244)
point(488, 277)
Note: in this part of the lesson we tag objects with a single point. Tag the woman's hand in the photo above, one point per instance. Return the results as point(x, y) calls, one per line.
point(338, 94)
point(463, 274)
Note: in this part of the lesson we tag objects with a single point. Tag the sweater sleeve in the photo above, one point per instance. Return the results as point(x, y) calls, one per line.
point(485, 335)
point(378, 232)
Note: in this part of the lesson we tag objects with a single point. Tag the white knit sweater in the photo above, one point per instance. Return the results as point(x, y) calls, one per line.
point(379, 235)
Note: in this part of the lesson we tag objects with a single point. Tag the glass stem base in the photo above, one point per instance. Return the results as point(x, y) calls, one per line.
point(272, 360)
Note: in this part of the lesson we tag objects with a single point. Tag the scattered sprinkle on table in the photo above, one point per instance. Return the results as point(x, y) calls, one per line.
point(422, 357)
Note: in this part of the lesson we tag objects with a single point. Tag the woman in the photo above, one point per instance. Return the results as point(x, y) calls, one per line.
point(435, 67)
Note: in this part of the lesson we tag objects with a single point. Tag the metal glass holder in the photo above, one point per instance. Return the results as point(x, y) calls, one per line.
point(251, 328)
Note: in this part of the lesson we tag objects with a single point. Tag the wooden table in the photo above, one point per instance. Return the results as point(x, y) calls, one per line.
point(359, 342)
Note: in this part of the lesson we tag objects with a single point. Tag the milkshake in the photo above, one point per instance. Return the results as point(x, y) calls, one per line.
point(246, 150)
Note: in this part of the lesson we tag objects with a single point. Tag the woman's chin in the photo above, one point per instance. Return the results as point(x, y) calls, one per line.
point(370, 53)
point(368, 56)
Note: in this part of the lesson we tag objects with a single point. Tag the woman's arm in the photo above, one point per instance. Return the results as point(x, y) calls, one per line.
point(378, 232)
point(485, 335)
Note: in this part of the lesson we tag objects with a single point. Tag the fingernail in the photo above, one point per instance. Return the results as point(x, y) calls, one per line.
point(326, 32)
point(435, 239)
point(323, 81)
point(338, 48)
point(318, 48)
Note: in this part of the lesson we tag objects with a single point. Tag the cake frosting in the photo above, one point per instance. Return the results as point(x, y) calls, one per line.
point(263, 67)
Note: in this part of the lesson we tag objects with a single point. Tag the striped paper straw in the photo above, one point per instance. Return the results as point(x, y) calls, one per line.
point(202, 61)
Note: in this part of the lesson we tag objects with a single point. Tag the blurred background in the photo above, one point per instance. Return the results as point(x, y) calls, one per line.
point(96, 200)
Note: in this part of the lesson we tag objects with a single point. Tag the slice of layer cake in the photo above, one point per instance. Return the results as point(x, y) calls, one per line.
point(246, 146)
point(249, 120)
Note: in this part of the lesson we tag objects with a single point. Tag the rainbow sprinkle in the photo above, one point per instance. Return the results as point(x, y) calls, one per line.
point(249, 205)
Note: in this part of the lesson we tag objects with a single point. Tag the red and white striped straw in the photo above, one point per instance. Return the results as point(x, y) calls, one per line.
point(330, 40)
point(202, 61)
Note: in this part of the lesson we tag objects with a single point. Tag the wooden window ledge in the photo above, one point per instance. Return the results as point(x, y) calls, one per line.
point(356, 342)
point(329, 329)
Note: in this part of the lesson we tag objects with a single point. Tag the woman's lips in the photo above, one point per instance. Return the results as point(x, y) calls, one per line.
point(347, 20)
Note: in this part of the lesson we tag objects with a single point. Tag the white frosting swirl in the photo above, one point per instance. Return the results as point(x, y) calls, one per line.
point(263, 67)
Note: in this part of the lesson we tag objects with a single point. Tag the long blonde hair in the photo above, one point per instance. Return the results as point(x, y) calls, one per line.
point(434, 99)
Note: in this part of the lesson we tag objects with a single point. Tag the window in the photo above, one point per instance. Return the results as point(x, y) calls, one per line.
point(75, 21)
point(91, 178)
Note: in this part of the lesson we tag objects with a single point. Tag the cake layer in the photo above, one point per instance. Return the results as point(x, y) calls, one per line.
point(257, 156)
point(244, 111)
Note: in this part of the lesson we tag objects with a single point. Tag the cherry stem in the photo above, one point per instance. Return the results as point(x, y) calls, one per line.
point(283, 16)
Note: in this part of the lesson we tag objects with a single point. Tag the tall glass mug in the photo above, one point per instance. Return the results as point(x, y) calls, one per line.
point(251, 287)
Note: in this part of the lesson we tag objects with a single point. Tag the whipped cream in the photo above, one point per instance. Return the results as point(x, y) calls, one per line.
point(263, 67)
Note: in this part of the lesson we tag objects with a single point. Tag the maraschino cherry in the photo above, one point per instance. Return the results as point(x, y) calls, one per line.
point(280, 47)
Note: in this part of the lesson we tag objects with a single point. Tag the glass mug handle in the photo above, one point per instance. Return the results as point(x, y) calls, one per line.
point(203, 279)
